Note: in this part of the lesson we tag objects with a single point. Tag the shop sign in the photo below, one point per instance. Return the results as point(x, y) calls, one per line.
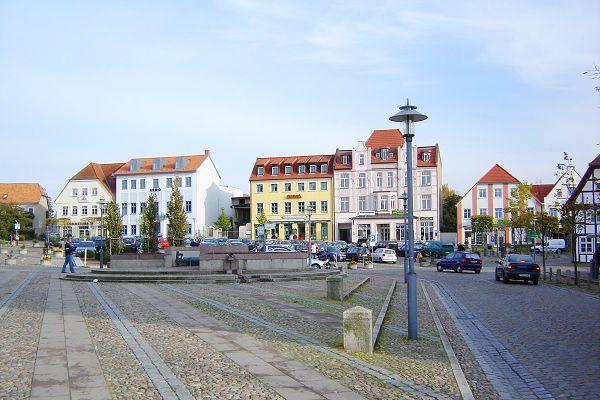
point(293, 196)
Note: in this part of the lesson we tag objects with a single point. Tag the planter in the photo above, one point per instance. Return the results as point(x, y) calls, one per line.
point(369, 265)
point(23, 251)
point(46, 263)
point(11, 261)
point(352, 266)
point(423, 262)
point(59, 255)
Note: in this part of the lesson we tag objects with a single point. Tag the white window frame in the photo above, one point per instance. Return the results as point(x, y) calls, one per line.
point(344, 181)
point(498, 192)
point(482, 193)
point(344, 204)
point(362, 180)
point(426, 178)
point(425, 202)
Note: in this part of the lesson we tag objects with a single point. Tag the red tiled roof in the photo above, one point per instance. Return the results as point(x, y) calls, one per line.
point(168, 166)
point(338, 159)
point(497, 174)
point(433, 156)
point(102, 172)
point(390, 139)
point(595, 161)
point(294, 161)
point(541, 191)
point(21, 193)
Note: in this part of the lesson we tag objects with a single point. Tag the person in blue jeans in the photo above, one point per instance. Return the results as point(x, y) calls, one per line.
point(69, 248)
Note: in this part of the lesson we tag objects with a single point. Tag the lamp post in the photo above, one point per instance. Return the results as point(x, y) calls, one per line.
point(404, 198)
point(409, 115)
point(102, 203)
point(309, 211)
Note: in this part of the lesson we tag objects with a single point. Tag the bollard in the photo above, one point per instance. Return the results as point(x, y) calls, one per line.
point(568, 276)
point(558, 276)
point(550, 276)
point(335, 287)
point(588, 281)
point(578, 281)
point(358, 330)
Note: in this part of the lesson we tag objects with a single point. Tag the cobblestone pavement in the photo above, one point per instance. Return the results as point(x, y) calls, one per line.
point(531, 341)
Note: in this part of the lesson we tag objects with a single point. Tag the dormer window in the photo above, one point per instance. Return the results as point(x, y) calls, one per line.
point(274, 170)
point(288, 169)
point(391, 154)
point(302, 169)
point(384, 154)
point(426, 156)
point(260, 170)
point(378, 154)
point(345, 159)
point(313, 169)
point(323, 168)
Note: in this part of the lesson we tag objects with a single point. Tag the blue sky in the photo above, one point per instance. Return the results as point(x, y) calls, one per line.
point(108, 81)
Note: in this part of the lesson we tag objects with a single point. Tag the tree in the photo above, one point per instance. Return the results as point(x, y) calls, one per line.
point(520, 217)
point(149, 226)
point(546, 225)
point(10, 213)
point(449, 200)
point(178, 225)
point(481, 224)
point(223, 222)
point(114, 227)
point(261, 218)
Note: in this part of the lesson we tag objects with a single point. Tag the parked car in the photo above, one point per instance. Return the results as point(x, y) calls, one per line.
point(129, 243)
point(300, 247)
point(335, 253)
point(460, 261)
point(552, 246)
point(235, 242)
point(88, 245)
point(403, 249)
point(317, 263)
point(163, 243)
point(358, 254)
point(437, 248)
point(385, 255)
point(518, 267)
point(276, 248)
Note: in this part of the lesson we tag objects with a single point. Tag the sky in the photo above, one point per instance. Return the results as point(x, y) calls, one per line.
point(108, 81)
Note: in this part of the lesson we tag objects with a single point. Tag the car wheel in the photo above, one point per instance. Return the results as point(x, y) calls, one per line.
point(535, 281)
point(558, 251)
point(477, 271)
point(439, 268)
point(459, 269)
point(505, 279)
point(316, 266)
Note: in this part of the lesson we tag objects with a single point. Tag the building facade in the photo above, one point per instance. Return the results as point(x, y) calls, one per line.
point(199, 182)
point(241, 215)
point(78, 203)
point(554, 195)
point(370, 184)
point(31, 197)
point(285, 190)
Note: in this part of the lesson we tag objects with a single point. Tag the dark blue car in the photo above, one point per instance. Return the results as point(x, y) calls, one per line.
point(518, 267)
point(460, 261)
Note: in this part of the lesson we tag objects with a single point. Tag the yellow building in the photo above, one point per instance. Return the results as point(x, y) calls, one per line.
point(284, 189)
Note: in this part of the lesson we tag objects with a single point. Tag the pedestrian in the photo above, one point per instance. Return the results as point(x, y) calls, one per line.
point(10, 238)
point(69, 248)
point(460, 247)
point(313, 249)
point(16, 239)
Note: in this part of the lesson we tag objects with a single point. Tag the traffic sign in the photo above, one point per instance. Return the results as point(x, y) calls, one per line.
point(260, 231)
point(534, 234)
point(373, 239)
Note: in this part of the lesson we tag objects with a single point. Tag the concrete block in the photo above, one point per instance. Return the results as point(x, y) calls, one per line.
point(568, 274)
point(358, 330)
point(558, 276)
point(11, 261)
point(335, 287)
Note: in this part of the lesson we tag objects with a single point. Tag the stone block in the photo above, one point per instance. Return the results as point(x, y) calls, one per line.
point(558, 276)
point(358, 330)
point(23, 251)
point(11, 261)
point(335, 287)
point(568, 274)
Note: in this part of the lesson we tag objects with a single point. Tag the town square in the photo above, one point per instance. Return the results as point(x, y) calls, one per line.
point(334, 200)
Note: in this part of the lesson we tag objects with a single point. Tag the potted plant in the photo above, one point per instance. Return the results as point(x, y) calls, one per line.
point(46, 260)
point(423, 261)
point(58, 252)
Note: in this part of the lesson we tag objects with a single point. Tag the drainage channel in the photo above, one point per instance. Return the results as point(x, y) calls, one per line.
point(508, 376)
point(382, 374)
point(159, 373)
point(8, 299)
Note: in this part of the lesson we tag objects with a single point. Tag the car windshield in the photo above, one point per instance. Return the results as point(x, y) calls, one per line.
point(520, 258)
point(473, 255)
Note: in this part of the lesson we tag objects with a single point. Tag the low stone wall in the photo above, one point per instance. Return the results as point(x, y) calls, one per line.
point(143, 260)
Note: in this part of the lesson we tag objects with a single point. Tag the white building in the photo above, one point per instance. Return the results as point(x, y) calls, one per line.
point(31, 197)
point(200, 184)
point(77, 204)
point(369, 182)
point(552, 196)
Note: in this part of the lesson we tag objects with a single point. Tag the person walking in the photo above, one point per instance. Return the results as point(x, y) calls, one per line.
point(10, 239)
point(69, 248)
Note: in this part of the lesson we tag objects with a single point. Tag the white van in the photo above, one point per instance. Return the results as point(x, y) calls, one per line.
point(552, 246)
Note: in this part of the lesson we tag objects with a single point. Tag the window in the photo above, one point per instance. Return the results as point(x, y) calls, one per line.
point(188, 206)
point(383, 202)
point(379, 180)
point(169, 182)
point(345, 159)
point(275, 170)
point(301, 169)
point(260, 208)
point(324, 231)
point(426, 156)
point(84, 210)
point(274, 208)
point(259, 188)
point(362, 180)
point(260, 170)
point(190, 229)
point(142, 206)
point(312, 185)
point(84, 192)
point(498, 192)
point(483, 211)
point(426, 230)
point(134, 208)
point(324, 168)
point(312, 169)
point(324, 206)
point(323, 185)
point(553, 212)
point(361, 159)
point(426, 202)
point(390, 179)
point(124, 230)
point(133, 184)
point(558, 193)
point(142, 184)
point(498, 213)
point(586, 245)
point(75, 192)
point(273, 187)
point(287, 187)
point(123, 208)
point(301, 186)
point(467, 213)
point(94, 210)
point(65, 210)
point(133, 230)
point(155, 183)
point(344, 181)
point(74, 210)
point(513, 192)
point(94, 191)
point(188, 181)
point(300, 207)
point(530, 209)
point(179, 181)
point(426, 178)
point(124, 184)
point(288, 169)
point(344, 204)
point(362, 203)
point(392, 202)
point(482, 192)
point(312, 205)
point(287, 207)
point(384, 154)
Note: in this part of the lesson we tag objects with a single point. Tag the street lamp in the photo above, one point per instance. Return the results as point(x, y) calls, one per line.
point(409, 116)
point(102, 203)
point(309, 211)
point(404, 198)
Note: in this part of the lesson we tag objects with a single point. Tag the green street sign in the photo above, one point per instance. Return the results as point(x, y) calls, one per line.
point(534, 234)
point(398, 212)
point(500, 222)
